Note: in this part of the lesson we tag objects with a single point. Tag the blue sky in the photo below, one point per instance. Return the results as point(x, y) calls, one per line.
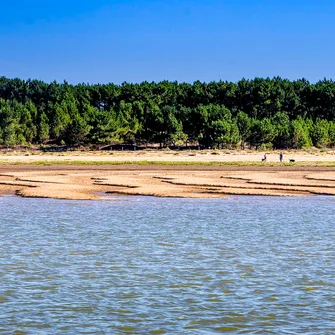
point(104, 41)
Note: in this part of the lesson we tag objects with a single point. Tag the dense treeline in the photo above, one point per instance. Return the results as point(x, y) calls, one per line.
point(263, 113)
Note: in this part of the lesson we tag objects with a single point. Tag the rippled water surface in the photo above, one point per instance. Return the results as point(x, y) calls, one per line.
point(141, 265)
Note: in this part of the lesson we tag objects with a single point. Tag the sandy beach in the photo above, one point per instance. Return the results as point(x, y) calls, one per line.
point(78, 175)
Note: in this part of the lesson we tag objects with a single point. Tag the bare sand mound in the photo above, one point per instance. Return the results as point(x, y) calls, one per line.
point(99, 181)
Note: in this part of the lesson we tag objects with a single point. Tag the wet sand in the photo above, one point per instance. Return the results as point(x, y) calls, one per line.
point(94, 182)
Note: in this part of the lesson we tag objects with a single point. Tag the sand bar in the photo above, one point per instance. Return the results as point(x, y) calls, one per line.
point(20, 175)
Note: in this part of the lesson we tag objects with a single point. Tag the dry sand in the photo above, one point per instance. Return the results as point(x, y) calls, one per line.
point(168, 156)
point(85, 181)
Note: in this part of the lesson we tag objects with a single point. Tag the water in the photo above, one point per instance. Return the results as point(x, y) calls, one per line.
point(141, 265)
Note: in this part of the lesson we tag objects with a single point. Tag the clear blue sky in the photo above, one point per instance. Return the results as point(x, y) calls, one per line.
point(100, 41)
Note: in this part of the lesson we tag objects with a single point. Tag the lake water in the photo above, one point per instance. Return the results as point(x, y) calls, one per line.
point(142, 265)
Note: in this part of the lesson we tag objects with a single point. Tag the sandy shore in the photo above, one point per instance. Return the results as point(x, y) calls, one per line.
point(19, 175)
point(168, 156)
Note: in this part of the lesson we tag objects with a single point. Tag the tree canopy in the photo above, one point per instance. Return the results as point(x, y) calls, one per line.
point(263, 112)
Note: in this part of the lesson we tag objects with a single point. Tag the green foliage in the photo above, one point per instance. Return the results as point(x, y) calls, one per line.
point(301, 134)
point(243, 122)
point(282, 124)
point(320, 133)
point(261, 113)
point(332, 133)
point(262, 132)
point(43, 128)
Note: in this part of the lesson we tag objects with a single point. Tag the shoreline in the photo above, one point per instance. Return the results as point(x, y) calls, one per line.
point(168, 156)
point(90, 176)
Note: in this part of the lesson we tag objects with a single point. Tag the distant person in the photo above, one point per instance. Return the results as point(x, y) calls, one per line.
point(281, 157)
point(264, 158)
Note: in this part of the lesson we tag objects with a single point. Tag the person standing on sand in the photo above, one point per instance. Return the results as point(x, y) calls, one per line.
point(281, 157)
